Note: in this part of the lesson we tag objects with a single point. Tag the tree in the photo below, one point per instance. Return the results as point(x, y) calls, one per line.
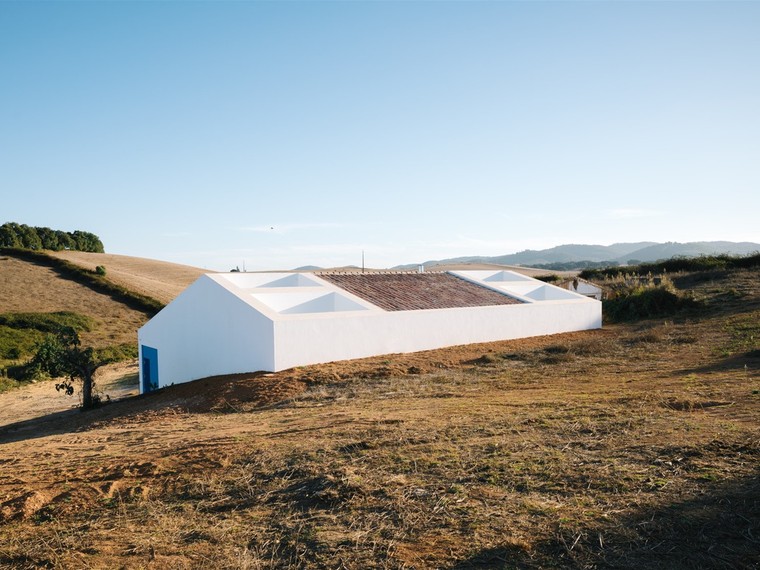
point(9, 235)
point(49, 238)
point(64, 240)
point(62, 356)
point(87, 241)
point(29, 238)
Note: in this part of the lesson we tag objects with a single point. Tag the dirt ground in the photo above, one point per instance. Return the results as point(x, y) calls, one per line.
point(635, 446)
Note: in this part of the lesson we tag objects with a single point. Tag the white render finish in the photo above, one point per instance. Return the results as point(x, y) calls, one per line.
point(245, 322)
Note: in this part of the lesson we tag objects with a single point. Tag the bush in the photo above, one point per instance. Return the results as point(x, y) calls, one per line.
point(645, 302)
point(22, 372)
point(100, 270)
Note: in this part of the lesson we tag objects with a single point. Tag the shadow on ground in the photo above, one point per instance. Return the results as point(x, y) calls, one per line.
point(749, 360)
point(219, 394)
point(718, 529)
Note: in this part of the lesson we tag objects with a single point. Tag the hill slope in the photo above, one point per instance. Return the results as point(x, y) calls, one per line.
point(160, 280)
point(31, 288)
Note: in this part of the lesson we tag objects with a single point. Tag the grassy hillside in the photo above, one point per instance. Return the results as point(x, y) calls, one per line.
point(41, 290)
point(158, 280)
point(32, 288)
point(636, 446)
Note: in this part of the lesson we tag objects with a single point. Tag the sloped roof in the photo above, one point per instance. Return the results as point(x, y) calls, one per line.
point(414, 291)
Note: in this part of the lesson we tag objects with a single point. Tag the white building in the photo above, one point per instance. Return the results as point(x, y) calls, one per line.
point(582, 287)
point(244, 322)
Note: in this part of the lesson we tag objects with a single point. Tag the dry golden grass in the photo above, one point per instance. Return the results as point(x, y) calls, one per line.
point(28, 287)
point(159, 280)
point(637, 446)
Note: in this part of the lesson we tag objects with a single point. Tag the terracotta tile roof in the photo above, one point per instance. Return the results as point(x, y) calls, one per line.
point(412, 291)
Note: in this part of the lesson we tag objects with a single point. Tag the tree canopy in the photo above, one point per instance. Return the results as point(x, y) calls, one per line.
point(61, 355)
point(32, 237)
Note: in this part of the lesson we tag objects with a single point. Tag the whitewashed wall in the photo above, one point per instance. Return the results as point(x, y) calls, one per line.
point(230, 324)
point(206, 331)
point(318, 339)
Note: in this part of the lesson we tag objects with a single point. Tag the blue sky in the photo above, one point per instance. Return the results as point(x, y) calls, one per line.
point(280, 134)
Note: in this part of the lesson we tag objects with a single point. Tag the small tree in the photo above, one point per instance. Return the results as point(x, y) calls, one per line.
point(62, 356)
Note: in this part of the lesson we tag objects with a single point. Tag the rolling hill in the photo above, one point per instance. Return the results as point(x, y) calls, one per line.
point(33, 288)
point(617, 252)
point(39, 288)
point(160, 280)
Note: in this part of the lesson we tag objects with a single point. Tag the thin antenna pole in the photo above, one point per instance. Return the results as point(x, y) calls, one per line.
point(362, 261)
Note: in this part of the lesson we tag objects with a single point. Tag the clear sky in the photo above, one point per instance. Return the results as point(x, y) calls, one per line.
point(280, 134)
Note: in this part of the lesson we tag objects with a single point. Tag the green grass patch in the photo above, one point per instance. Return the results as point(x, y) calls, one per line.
point(48, 322)
point(20, 332)
point(16, 344)
point(745, 334)
point(116, 353)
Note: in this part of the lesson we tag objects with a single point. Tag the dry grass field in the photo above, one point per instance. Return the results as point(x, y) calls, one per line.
point(636, 446)
point(160, 280)
point(28, 287)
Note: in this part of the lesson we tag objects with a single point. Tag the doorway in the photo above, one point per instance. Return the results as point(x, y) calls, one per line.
point(149, 369)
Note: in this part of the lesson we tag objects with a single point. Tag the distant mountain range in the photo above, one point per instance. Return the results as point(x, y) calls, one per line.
point(621, 253)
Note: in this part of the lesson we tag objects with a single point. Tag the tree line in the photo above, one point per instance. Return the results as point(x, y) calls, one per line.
point(719, 262)
point(31, 237)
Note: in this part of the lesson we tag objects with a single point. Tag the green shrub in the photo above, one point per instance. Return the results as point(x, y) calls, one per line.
point(645, 302)
point(22, 372)
point(117, 353)
point(16, 344)
point(553, 278)
point(100, 270)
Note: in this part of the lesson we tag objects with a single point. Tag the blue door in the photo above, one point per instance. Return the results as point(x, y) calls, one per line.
point(149, 368)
